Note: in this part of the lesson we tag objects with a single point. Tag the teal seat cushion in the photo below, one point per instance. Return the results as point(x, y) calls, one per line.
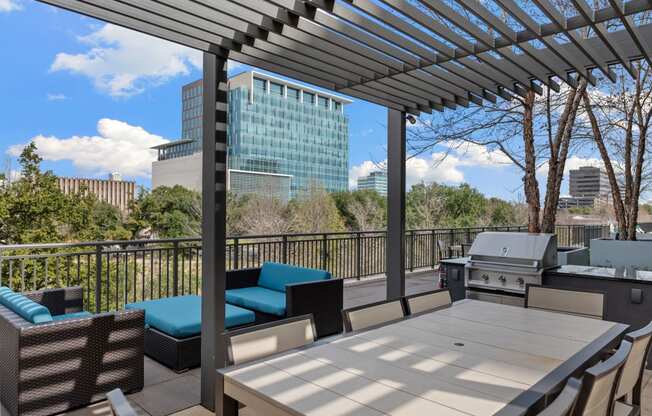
point(180, 316)
point(25, 307)
point(74, 315)
point(276, 276)
point(258, 299)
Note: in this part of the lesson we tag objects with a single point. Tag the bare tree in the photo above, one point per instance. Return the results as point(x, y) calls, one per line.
point(530, 131)
point(619, 119)
point(263, 215)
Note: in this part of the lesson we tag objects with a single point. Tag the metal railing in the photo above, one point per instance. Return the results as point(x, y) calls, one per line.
point(114, 273)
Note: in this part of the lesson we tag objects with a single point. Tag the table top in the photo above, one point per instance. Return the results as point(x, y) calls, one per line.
point(473, 358)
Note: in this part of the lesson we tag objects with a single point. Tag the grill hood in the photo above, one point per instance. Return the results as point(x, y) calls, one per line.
point(533, 250)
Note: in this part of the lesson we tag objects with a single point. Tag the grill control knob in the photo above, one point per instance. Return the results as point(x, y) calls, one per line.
point(520, 281)
point(502, 279)
point(485, 278)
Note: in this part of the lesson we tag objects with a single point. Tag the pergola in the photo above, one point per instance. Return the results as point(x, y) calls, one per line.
point(411, 56)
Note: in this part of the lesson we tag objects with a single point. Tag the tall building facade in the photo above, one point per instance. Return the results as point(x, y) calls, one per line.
point(375, 181)
point(274, 127)
point(588, 187)
point(589, 181)
point(113, 191)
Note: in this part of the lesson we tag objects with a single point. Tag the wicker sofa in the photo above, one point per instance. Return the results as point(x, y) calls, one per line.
point(71, 361)
point(277, 291)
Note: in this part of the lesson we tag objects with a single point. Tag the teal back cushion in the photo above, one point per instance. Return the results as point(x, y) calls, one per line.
point(25, 307)
point(275, 276)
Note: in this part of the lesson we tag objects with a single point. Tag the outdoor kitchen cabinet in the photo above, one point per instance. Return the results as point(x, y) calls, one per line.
point(453, 271)
point(628, 296)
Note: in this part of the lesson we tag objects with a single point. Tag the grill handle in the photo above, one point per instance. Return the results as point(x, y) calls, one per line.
point(534, 266)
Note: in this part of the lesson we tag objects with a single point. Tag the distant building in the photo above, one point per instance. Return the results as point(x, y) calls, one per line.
point(588, 187)
point(274, 127)
point(113, 191)
point(375, 181)
point(242, 182)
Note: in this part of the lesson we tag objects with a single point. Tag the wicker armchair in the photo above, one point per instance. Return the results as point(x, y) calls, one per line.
point(54, 367)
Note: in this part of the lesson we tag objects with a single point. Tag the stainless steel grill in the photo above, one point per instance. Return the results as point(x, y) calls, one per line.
point(505, 262)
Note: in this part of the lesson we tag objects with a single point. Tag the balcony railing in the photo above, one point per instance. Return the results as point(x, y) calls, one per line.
point(114, 273)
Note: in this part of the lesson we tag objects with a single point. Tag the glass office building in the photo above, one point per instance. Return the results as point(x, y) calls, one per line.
point(375, 181)
point(275, 127)
point(283, 128)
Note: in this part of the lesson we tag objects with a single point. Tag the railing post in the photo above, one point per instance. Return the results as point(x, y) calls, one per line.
point(98, 278)
point(358, 254)
point(433, 249)
point(324, 251)
point(412, 250)
point(175, 268)
point(236, 253)
point(284, 249)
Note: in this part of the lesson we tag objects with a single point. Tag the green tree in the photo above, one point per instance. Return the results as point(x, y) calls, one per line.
point(33, 208)
point(362, 210)
point(169, 212)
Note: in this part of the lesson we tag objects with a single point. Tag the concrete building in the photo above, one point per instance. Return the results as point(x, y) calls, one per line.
point(113, 191)
point(275, 127)
point(588, 181)
point(588, 187)
point(375, 181)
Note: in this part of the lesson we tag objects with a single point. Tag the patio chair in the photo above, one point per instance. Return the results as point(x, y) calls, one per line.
point(564, 403)
point(366, 316)
point(55, 357)
point(631, 380)
point(599, 384)
point(428, 301)
point(119, 404)
point(255, 342)
point(585, 303)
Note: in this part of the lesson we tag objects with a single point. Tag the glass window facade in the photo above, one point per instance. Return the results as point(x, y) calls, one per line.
point(323, 102)
point(294, 94)
point(191, 118)
point(274, 134)
point(276, 89)
point(375, 181)
point(308, 98)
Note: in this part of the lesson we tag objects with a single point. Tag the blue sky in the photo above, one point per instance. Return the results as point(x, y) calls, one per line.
point(97, 97)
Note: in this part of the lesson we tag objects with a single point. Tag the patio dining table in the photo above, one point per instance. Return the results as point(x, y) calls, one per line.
point(472, 358)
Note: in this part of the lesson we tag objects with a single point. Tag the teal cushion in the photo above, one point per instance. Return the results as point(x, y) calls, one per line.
point(276, 276)
point(74, 315)
point(25, 307)
point(258, 299)
point(180, 316)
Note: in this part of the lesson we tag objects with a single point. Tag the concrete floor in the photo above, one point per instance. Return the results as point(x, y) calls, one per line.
point(168, 393)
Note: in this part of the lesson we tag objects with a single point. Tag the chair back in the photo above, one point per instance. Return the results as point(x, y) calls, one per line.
point(428, 301)
point(366, 316)
point(570, 301)
point(635, 364)
point(261, 341)
point(119, 404)
point(600, 382)
point(564, 404)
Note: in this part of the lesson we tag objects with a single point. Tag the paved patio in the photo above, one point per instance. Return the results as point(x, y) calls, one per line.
point(169, 393)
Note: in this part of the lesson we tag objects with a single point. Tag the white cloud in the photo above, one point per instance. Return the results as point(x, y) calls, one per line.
point(123, 63)
point(572, 163)
point(9, 6)
point(57, 97)
point(441, 167)
point(119, 147)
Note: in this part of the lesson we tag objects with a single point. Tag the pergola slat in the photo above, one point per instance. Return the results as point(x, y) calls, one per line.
point(346, 44)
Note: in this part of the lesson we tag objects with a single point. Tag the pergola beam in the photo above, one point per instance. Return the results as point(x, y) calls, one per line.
point(372, 53)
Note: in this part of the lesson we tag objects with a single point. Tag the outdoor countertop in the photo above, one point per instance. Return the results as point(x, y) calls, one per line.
point(456, 260)
point(594, 272)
